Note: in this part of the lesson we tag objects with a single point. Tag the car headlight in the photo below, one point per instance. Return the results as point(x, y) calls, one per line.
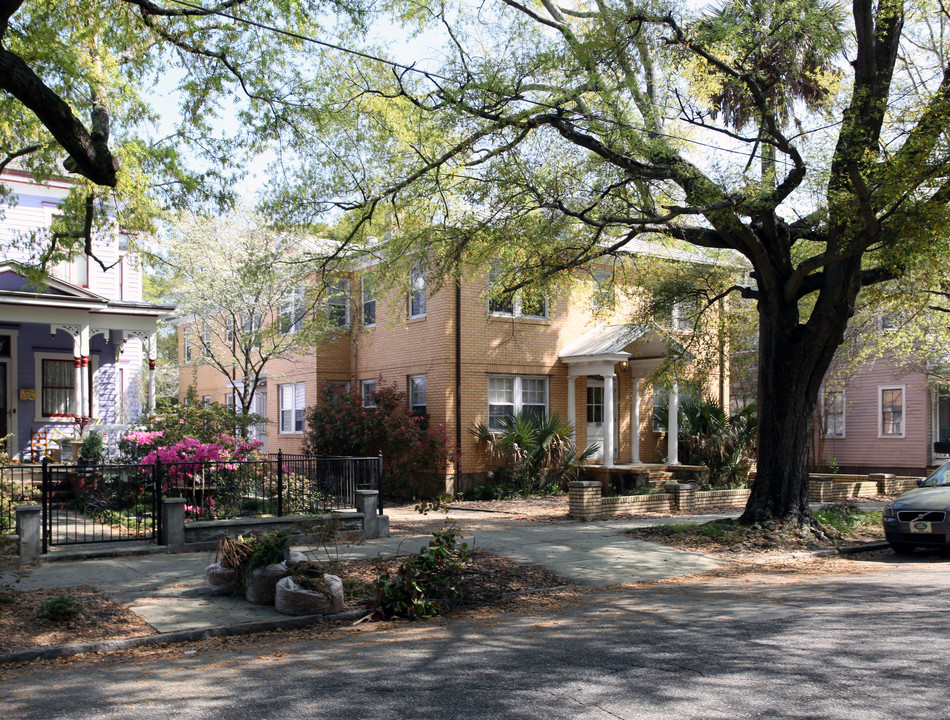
point(889, 512)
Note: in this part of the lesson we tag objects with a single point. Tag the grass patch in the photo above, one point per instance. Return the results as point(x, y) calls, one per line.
point(848, 518)
point(725, 532)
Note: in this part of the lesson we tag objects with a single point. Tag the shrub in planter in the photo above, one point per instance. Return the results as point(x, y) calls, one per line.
point(92, 448)
point(236, 559)
point(308, 591)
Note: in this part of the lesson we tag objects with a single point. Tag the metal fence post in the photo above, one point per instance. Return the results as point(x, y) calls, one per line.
point(379, 482)
point(280, 483)
point(157, 493)
point(45, 492)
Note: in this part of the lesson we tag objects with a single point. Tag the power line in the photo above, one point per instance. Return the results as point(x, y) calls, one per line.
point(434, 75)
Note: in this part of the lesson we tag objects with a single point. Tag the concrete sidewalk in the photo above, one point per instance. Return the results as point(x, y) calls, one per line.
point(171, 592)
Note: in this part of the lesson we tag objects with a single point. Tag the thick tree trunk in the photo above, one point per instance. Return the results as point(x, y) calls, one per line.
point(793, 360)
point(785, 408)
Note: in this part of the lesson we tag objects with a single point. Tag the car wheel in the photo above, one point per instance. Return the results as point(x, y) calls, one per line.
point(902, 548)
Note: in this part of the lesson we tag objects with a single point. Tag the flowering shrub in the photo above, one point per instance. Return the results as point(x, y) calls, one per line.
point(205, 511)
point(412, 453)
point(174, 422)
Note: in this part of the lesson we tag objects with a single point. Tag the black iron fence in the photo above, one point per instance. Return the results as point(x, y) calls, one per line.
point(280, 485)
point(112, 502)
point(101, 503)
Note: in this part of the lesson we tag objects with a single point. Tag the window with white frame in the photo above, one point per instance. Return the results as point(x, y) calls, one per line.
point(293, 306)
point(338, 304)
point(367, 388)
point(229, 402)
point(57, 387)
point(509, 395)
point(206, 339)
point(368, 296)
point(680, 316)
point(684, 316)
point(291, 407)
point(417, 394)
point(527, 302)
point(187, 343)
point(229, 329)
point(891, 403)
point(417, 293)
point(602, 296)
point(251, 324)
point(834, 413)
point(75, 270)
point(661, 403)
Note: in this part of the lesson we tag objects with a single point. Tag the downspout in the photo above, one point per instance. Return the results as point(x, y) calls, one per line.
point(722, 357)
point(458, 378)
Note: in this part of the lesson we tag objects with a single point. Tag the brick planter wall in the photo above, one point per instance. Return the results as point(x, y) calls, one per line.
point(586, 502)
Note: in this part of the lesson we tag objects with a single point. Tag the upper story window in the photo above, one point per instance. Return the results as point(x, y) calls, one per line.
point(368, 293)
point(75, 270)
point(891, 413)
point(206, 339)
point(251, 327)
point(187, 344)
point(602, 297)
point(834, 413)
point(680, 316)
point(292, 309)
point(417, 293)
point(338, 304)
point(229, 329)
point(527, 302)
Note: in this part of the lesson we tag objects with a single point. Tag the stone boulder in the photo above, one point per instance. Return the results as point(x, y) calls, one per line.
point(291, 599)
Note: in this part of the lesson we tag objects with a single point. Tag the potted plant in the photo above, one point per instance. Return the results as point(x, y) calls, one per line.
point(92, 449)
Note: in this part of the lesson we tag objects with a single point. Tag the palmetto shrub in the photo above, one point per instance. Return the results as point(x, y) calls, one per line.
point(725, 444)
point(536, 453)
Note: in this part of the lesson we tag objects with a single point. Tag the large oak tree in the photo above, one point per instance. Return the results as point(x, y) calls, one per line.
point(557, 133)
point(148, 105)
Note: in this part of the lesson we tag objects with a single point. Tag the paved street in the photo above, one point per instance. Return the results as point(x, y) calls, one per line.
point(866, 645)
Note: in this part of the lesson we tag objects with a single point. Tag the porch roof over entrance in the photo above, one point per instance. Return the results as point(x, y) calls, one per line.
point(615, 343)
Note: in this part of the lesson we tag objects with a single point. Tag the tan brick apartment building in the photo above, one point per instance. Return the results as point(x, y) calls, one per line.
point(464, 359)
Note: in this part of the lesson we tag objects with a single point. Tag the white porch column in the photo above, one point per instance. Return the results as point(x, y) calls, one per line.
point(83, 410)
point(635, 422)
point(572, 405)
point(672, 426)
point(609, 420)
point(152, 354)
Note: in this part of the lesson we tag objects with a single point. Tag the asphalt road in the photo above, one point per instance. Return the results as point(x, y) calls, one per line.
point(868, 645)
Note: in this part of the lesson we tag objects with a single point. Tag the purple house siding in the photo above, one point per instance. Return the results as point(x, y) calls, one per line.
point(865, 446)
point(87, 317)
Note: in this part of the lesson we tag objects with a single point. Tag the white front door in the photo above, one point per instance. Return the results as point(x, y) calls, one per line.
point(595, 418)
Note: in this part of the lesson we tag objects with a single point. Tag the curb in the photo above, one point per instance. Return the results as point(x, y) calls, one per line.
point(831, 552)
point(61, 651)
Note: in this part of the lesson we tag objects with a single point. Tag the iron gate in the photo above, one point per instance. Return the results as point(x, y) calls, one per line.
point(103, 503)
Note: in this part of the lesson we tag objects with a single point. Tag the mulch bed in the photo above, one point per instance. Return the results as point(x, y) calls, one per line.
point(101, 619)
point(490, 582)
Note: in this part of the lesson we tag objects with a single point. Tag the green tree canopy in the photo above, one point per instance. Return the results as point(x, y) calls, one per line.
point(554, 135)
point(91, 87)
